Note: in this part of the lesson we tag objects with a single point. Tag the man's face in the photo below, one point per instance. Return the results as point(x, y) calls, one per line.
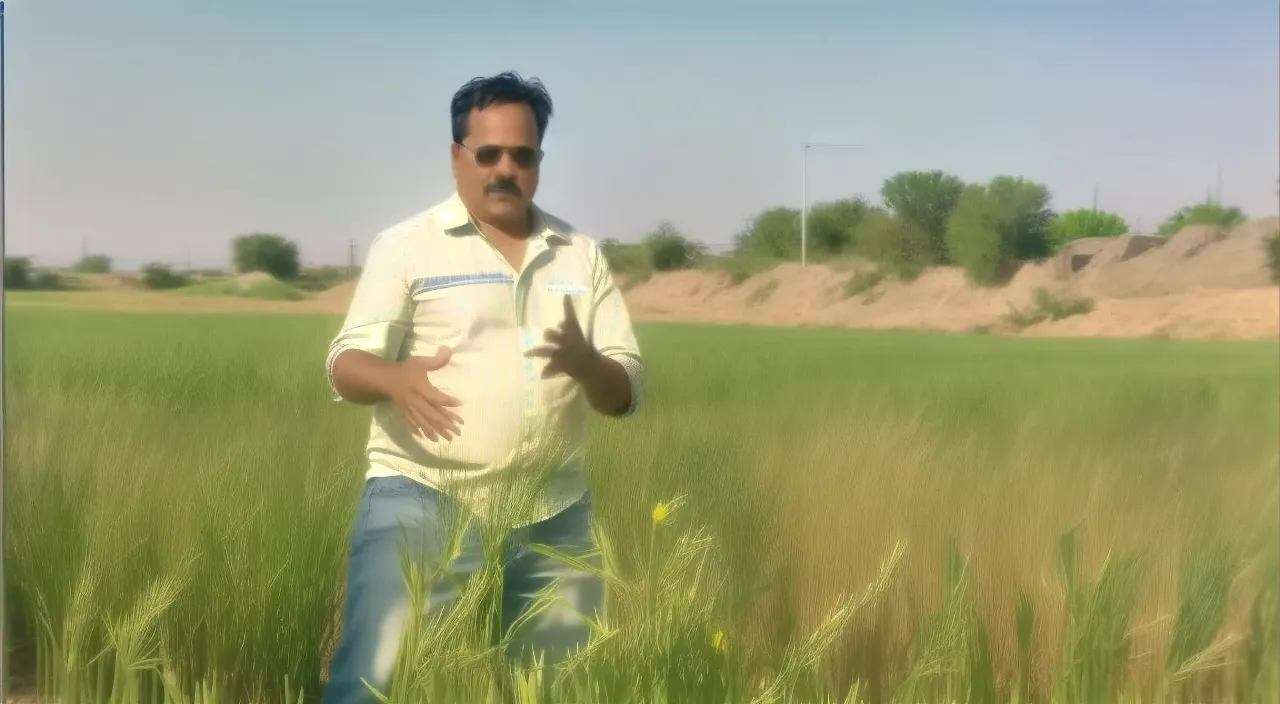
point(496, 166)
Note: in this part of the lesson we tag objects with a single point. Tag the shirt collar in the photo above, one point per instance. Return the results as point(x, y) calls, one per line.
point(454, 219)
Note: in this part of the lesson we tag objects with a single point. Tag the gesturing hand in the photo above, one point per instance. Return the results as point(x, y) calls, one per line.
point(420, 402)
point(567, 350)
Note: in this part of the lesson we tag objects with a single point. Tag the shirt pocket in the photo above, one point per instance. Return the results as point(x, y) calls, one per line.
point(450, 310)
point(551, 296)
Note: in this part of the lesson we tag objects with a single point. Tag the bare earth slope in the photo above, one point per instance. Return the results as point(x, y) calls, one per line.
point(1200, 283)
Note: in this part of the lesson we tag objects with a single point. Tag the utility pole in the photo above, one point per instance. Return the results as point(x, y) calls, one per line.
point(804, 195)
point(1095, 197)
point(1217, 193)
point(351, 260)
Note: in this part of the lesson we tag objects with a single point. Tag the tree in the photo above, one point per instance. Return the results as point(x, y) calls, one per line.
point(631, 259)
point(93, 264)
point(925, 198)
point(1206, 213)
point(775, 233)
point(669, 249)
point(272, 254)
point(833, 226)
point(20, 275)
point(1024, 208)
point(17, 273)
point(1271, 247)
point(901, 246)
point(157, 276)
point(974, 237)
point(995, 226)
point(1085, 222)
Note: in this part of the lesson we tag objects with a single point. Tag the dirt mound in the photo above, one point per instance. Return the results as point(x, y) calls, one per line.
point(337, 299)
point(1113, 250)
point(1199, 256)
point(247, 281)
point(817, 295)
point(1076, 255)
point(1201, 314)
point(786, 295)
point(1201, 283)
point(1236, 261)
point(105, 282)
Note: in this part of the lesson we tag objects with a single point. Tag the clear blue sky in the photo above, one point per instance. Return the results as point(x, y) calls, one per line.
point(154, 129)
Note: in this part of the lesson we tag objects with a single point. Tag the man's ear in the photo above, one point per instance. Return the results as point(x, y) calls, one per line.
point(455, 151)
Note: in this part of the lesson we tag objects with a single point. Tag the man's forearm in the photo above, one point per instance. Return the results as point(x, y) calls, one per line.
point(607, 386)
point(362, 377)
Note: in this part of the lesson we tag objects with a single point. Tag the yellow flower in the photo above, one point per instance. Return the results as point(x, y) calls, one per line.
point(661, 512)
point(719, 641)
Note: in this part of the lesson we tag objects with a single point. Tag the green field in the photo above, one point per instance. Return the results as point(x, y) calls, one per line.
point(930, 518)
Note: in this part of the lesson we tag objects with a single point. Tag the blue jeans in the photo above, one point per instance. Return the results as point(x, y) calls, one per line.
point(398, 513)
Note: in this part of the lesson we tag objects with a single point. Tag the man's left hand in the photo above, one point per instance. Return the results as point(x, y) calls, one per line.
point(567, 350)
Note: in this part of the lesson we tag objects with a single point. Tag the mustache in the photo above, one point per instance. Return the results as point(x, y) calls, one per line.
point(503, 186)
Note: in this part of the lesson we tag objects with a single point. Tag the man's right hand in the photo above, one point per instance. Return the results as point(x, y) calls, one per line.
point(420, 402)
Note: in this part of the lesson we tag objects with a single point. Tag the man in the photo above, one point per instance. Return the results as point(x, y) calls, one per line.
point(480, 331)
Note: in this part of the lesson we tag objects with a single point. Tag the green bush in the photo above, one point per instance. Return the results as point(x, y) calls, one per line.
point(159, 277)
point(631, 261)
point(901, 247)
point(741, 267)
point(93, 264)
point(833, 227)
point(975, 240)
point(269, 253)
point(1207, 213)
point(1085, 222)
point(925, 199)
point(1271, 245)
point(322, 278)
point(47, 280)
point(17, 273)
point(265, 290)
point(863, 282)
point(774, 234)
point(670, 250)
point(1047, 306)
point(993, 227)
point(272, 290)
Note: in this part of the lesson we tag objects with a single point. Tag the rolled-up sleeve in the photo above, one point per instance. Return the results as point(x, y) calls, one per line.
point(381, 308)
point(611, 331)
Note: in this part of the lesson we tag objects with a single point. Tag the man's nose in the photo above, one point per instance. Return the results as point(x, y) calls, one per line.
point(506, 165)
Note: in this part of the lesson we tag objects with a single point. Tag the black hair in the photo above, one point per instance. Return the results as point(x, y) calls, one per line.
point(507, 87)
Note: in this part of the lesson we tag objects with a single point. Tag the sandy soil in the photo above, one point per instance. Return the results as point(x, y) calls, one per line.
point(1200, 283)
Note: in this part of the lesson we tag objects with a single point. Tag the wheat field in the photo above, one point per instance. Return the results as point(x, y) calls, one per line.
point(795, 515)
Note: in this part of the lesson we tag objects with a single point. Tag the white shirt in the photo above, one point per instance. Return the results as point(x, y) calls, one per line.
point(435, 281)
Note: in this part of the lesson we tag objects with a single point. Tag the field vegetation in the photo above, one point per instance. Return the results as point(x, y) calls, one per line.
point(921, 219)
point(265, 289)
point(819, 515)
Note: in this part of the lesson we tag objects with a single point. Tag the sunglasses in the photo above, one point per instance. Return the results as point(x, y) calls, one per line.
point(489, 155)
